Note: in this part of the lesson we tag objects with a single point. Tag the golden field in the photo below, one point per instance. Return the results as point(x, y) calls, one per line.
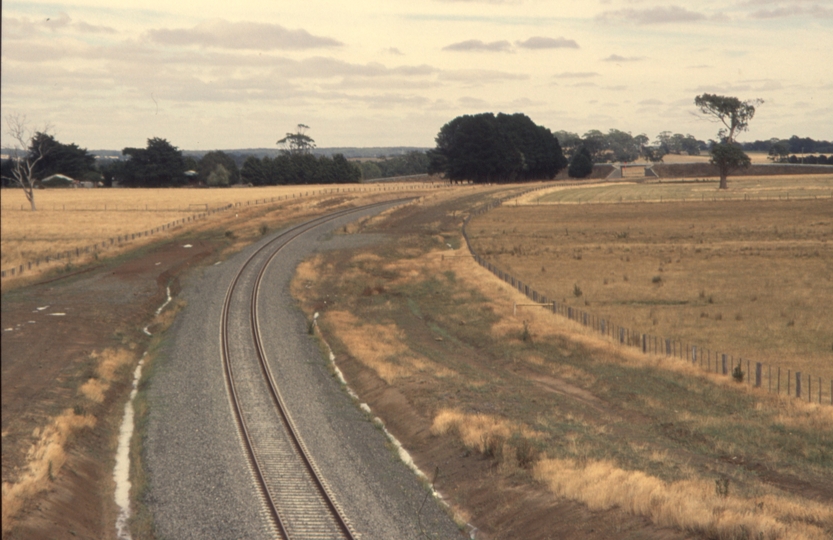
point(808, 186)
point(752, 279)
point(75, 218)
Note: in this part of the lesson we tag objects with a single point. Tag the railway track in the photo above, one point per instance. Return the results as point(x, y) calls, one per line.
point(297, 499)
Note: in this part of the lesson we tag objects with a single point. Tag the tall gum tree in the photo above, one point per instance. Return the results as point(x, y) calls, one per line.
point(735, 116)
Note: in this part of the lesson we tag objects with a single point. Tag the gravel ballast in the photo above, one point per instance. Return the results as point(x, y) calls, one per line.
point(200, 485)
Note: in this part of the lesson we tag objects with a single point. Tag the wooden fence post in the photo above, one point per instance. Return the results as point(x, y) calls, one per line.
point(725, 365)
point(798, 384)
point(758, 370)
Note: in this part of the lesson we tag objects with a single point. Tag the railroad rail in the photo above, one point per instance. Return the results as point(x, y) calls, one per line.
point(297, 499)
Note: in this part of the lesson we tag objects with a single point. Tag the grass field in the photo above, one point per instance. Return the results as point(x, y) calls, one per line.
point(74, 218)
point(740, 188)
point(553, 407)
point(748, 278)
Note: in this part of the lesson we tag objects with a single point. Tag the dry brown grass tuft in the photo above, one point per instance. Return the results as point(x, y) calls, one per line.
point(476, 430)
point(692, 505)
point(380, 347)
point(43, 461)
point(109, 362)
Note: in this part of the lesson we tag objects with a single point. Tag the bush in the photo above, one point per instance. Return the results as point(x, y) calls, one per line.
point(581, 165)
point(525, 452)
point(493, 446)
point(738, 373)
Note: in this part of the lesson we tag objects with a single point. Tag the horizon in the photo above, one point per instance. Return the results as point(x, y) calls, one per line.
point(376, 74)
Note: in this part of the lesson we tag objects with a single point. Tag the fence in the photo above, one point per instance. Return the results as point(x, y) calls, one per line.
point(708, 360)
point(77, 252)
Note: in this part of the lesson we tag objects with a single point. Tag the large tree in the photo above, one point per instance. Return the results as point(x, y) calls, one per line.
point(66, 159)
point(23, 168)
point(503, 148)
point(159, 165)
point(735, 116)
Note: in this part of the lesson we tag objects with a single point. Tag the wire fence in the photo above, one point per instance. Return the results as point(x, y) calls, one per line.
point(68, 255)
point(764, 376)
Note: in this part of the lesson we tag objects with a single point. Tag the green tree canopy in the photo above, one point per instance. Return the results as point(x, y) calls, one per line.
point(59, 158)
point(581, 165)
point(503, 148)
point(733, 113)
point(209, 162)
point(158, 165)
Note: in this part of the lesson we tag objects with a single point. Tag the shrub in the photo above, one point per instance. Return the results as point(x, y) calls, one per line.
point(525, 452)
point(577, 290)
point(493, 445)
point(738, 373)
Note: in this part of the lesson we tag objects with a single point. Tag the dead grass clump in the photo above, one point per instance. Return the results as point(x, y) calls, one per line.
point(109, 363)
point(692, 505)
point(480, 432)
point(43, 461)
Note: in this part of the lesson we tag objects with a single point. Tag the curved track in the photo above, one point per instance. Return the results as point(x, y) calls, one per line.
point(297, 498)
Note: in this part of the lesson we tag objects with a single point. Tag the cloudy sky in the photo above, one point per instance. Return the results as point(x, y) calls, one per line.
point(108, 74)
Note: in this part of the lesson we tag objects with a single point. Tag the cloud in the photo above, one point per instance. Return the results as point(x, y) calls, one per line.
point(655, 15)
point(576, 75)
point(548, 43)
point(792, 11)
point(240, 35)
point(394, 51)
point(650, 102)
point(481, 75)
point(24, 28)
point(478, 45)
point(617, 58)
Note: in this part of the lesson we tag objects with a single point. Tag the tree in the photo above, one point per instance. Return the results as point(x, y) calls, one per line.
point(735, 116)
point(654, 154)
point(503, 148)
point(733, 113)
point(219, 177)
point(570, 142)
point(159, 165)
point(581, 165)
point(596, 143)
point(209, 162)
point(728, 157)
point(298, 142)
point(779, 151)
point(66, 159)
point(624, 146)
point(24, 167)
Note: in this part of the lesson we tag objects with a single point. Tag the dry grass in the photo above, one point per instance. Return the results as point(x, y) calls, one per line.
point(751, 279)
point(690, 505)
point(109, 362)
point(75, 218)
point(44, 460)
point(705, 189)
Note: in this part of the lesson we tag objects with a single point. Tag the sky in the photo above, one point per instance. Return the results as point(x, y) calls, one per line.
point(108, 74)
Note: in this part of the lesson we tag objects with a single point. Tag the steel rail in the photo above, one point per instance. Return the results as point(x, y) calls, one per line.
point(278, 519)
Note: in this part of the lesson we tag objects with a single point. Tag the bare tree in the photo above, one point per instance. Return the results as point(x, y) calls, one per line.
point(28, 151)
